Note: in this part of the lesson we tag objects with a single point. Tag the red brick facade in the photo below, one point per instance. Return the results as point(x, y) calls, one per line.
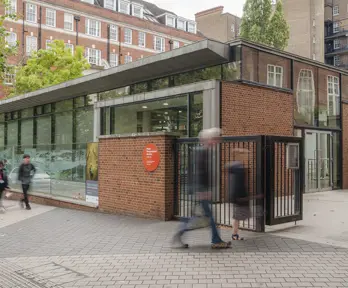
point(126, 187)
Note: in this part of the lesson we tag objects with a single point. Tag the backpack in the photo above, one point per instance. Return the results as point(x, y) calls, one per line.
point(237, 183)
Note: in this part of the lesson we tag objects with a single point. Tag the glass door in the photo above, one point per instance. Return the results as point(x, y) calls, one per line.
point(318, 153)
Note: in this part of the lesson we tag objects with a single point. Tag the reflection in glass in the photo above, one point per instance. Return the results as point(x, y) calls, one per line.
point(196, 114)
point(169, 115)
point(231, 71)
point(336, 148)
point(84, 125)
point(333, 102)
point(116, 93)
point(12, 133)
point(2, 135)
point(43, 132)
point(65, 105)
point(27, 128)
point(64, 128)
point(305, 98)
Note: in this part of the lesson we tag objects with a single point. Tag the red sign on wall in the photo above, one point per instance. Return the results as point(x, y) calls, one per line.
point(151, 157)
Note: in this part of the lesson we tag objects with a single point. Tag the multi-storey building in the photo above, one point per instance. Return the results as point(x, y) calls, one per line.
point(336, 31)
point(112, 32)
point(306, 22)
point(214, 24)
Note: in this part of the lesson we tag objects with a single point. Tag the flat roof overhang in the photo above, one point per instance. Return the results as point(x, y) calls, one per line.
point(197, 55)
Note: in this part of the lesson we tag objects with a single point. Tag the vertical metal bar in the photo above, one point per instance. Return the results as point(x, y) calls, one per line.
point(229, 192)
point(289, 176)
point(260, 174)
point(275, 147)
point(189, 111)
point(175, 196)
point(282, 180)
point(241, 63)
point(301, 175)
point(340, 160)
point(292, 74)
point(185, 180)
point(108, 44)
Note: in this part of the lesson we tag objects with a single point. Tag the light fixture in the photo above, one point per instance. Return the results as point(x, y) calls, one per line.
point(165, 104)
point(144, 107)
point(180, 111)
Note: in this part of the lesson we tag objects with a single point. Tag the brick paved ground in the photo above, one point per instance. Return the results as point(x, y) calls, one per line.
point(66, 248)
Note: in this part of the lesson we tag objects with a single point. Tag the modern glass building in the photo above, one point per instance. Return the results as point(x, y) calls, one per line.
point(180, 91)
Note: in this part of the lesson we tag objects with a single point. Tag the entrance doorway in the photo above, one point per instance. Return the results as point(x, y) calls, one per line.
point(319, 160)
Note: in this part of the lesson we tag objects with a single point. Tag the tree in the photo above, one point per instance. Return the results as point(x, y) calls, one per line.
point(50, 67)
point(6, 50)
point(261, 26)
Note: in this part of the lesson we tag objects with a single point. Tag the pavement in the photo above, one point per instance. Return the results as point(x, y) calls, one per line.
point(53, 247)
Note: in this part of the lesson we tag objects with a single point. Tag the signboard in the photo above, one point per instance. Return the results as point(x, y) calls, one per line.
point(151, 157)
point(92, 173)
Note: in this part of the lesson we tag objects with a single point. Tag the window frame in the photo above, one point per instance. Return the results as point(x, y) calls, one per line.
point(163, 48)
point(337, 12)
point(10, 44)
point(337, 63)
point(114, 6)
point(12, 76)
point(129, 57)
point(27, 8)
point(171, 17)
point(337, 44)
point(176, 44)
point(71, 47)
point(194, 31)
point(89, 28)
point(54, 17)
point(97, 53)
point(29, 53)
point(120, 2)
point(274, 74)
point(12, 7)
point(309, 79)
point(114, 61)
point(48, 41)
point(336, 27)
point(184, 24)
point(128, 37)
point(141, 15)
point(113, 32)
point(335, 94)
point(142, 41)
point(66, 15)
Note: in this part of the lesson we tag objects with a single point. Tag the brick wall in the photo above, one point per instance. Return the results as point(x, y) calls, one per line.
point(252, 110)
point(125, 186)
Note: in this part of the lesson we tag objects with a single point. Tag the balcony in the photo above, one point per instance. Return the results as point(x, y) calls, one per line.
point(340, 32)
point(330, 51)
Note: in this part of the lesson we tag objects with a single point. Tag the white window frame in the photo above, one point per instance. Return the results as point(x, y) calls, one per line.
point(336, 27)
point(141, 14)
point(90, 29)
point(12, 36)
point(70, 46)
point(333, 95)
point(52, 20)
point(337, 60)
point(48, 41)
point(113, 32)
point(337, 44)
point(127, 11)
point(128, 36)
point(31, 8)
point(12, 9)
point(97, 56)
point(8, 76)
point(183, 22)
point(192, 29)
point(128, 59)
point(272, 72)
point(172, 18)
point(176, 44)
point(141, 39)
point(159, 40)
point(113, 60)
point(30, 45)
point(111, 6)
point(233, 28)
point(305, 97)
point(336, 10)
point(68, 21)
point(88, 1)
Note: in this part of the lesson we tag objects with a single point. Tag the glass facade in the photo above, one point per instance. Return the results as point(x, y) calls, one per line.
point(55, 136)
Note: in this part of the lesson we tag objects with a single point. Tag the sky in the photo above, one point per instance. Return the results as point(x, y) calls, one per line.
point(188, 8)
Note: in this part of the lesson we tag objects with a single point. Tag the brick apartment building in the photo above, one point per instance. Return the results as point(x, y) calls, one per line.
point(215, 24)
point(113, 32)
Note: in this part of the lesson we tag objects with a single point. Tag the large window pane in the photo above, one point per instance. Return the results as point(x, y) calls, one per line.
point(84, 125)
point(12, 133)
point(43, 130)
point(66, 105)
point(198, 75)
point(27, 128)
point(196, 114)
point(116, 93)
point(64, 128)
point(336, 146)
point(168, 115)
point(2, 135)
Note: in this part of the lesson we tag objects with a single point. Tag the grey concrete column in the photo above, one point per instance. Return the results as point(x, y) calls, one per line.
point(211, 107)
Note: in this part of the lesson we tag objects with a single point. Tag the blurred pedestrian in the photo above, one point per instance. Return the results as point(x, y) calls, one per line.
point(25, 174)
point(3, 185)
point(203, 185)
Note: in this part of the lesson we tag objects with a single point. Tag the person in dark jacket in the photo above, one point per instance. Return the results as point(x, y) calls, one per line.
point(25, 174)
point(203, 186)
point(3, 185)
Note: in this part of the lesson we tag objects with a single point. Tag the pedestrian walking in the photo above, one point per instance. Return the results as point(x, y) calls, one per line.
point(3, 185)
point(25, 174)
point(202, 185)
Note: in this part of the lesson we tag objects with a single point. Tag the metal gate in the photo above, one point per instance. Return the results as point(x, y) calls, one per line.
point(270, 173)
point(284, 179)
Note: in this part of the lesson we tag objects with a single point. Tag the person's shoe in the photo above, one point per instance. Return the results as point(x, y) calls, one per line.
point(177, 239)
point(28, 207)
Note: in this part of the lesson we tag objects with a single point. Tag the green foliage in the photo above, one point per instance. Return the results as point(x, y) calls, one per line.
point(50, 67)
point(6, 51)
point(261, 26)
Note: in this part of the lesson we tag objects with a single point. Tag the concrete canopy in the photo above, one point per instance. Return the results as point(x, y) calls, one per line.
point(198, 55)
